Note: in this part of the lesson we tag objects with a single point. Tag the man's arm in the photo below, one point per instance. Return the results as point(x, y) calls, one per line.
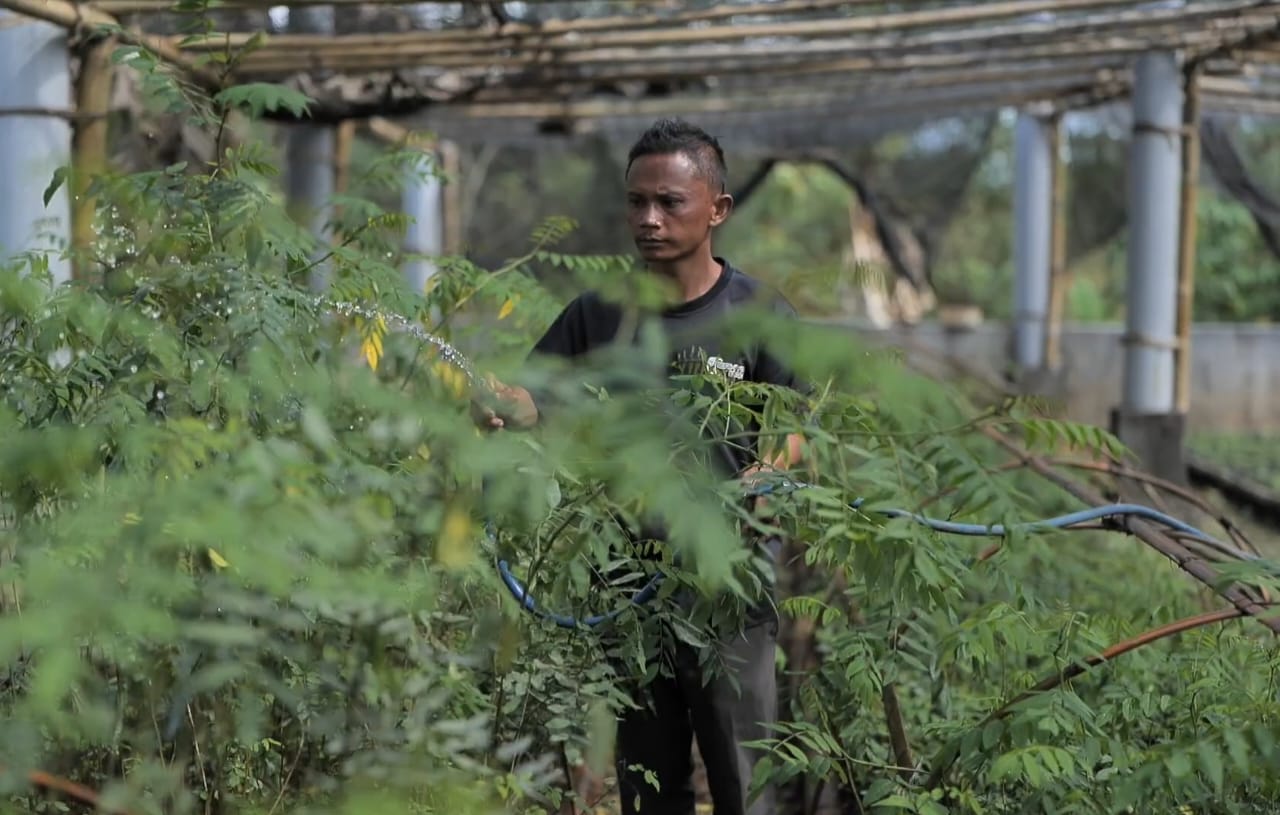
point(513, 406)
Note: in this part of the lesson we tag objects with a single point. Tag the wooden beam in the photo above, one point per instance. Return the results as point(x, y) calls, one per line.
point(397, 135)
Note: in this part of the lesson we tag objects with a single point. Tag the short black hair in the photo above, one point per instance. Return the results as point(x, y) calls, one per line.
point(667, 136)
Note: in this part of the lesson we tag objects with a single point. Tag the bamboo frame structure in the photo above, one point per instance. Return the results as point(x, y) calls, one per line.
point(731, 59)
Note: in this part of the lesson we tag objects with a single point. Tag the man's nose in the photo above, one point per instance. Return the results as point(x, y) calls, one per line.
point(649, 216)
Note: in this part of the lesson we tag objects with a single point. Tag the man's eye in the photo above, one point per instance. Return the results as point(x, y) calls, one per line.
point(672, 202)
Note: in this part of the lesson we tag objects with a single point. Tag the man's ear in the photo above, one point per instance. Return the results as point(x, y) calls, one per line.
point(720, 208)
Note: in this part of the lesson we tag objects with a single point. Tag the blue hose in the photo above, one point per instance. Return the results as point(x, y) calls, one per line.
point(650, 589)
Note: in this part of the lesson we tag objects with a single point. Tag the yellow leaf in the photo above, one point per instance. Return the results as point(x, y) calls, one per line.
point(424, 452)
point(372, 350)
point(507, 308)
point(371, 345)
point(453, 550)
point(132, 519)
point(216, 559)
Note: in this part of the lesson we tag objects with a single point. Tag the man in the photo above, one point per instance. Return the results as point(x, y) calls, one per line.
point(676, 197)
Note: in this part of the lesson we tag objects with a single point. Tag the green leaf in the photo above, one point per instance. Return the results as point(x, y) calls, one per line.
point(59, 178)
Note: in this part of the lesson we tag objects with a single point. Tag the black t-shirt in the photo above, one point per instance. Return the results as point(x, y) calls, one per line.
point(694, 335)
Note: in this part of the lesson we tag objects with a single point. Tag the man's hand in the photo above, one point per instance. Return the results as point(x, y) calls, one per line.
point(503, 406)
point(758, 474)
point(753, 477)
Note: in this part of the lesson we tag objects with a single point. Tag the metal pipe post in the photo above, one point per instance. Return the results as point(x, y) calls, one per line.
point(422, 203)
point(1033, 229)
point(35, 140)
point(1155, 174)
point(311, 158)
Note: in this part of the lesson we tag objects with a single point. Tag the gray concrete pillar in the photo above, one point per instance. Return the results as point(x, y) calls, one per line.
point(1034, 150)
point(423, 205)
point(310, 158)
point(1155, 177)
point(35, 74)
point(1147, 420)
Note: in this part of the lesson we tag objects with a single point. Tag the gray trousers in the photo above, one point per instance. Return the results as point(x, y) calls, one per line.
point(735, 706)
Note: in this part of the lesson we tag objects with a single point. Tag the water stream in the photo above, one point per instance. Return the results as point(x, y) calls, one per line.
point(447, 351)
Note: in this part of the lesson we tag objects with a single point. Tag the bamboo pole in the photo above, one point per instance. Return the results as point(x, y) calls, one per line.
point(123, 7)
point(1187, 242)
point(89, 147)
point(403, 50)
point(807, 60)
point(1058, 281)
point(773, 87)
point(570, 40)
point(1063, 94)
point(845, 74)
point(620, 22)
point(454, 228)
point(891, 91)
point(344, 139)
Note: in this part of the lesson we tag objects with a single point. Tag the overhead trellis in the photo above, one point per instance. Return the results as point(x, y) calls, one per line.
point(565, 66)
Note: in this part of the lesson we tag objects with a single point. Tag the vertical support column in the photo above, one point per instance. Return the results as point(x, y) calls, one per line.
point(1187, 246)
point(1146, 420)
point(344, 141)
point(1154, 176)
point(89, 147)
point(422, 203)
point(310, 151)
point(1032, 219)
point(1059, 282)
point(454, 228)
point(35, 76)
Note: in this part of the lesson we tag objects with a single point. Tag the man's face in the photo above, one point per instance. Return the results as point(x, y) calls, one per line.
point(671, 207)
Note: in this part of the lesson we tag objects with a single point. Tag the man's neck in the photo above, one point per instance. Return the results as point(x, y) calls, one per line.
point(693, 277)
